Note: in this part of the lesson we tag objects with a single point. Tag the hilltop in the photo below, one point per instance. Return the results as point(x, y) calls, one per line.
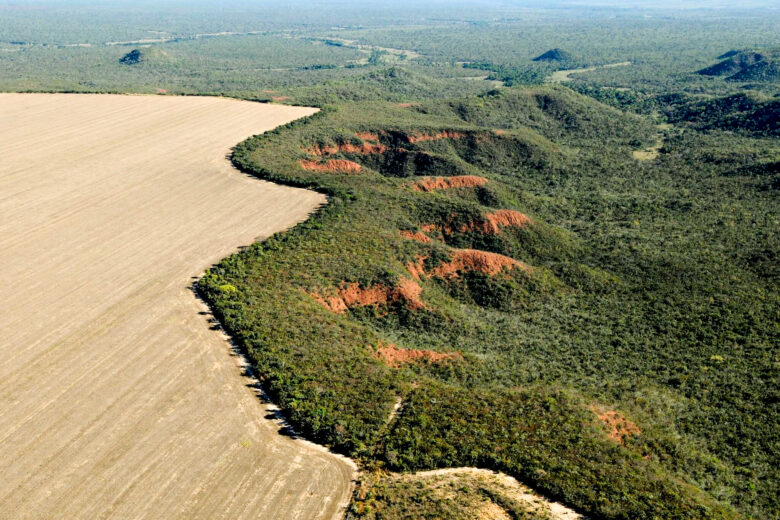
point(142, 55)
point(501, 271)
point(755, 65)
point(555, 55)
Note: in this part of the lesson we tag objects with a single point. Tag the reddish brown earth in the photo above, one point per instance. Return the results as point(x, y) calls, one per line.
point(617, 425)
point(500, 219)
point(470, 260)
point(446, 183)
point(410, 292)
point(491, 223)
point(277, 99)
point(350, 295)
point(361, 149)
point(407, 105)
point(395, 357)
point(419, 236)
point(417, 268)
point(467, 260)
point(331, 166)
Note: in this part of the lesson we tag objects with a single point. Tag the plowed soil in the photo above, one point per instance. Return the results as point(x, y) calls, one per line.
point(117, 397)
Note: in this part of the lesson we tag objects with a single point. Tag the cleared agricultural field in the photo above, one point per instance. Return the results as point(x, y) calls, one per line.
point(117, 399)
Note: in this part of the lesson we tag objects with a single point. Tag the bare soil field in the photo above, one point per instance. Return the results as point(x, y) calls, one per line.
point(117, 397)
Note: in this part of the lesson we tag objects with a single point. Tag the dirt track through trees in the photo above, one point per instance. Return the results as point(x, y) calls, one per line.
point(116, 398)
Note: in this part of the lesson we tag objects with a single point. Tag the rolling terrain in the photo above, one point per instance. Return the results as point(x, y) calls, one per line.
point(119, 398)
point(502, 282)
point(544, 284)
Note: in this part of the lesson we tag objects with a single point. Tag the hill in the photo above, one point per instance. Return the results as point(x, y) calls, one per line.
point(763, 71)
point(746, 66)
point(530, 299)
point(144, 55)
point(728, 54)
point(555, 55)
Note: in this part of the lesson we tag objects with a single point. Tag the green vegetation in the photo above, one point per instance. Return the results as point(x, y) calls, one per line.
point(749, 112)
point(747, 66)
point(647, 296)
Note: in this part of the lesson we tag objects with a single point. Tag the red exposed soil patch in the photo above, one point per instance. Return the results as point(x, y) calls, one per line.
point(407, 105)
point(395, 357)
point(328, 149)
point(417, 268)
point(446, 183)
point(490, 224)
point(446, 134)
point(362, 149)
point(355, 296)
point(616, 424)
point(331, 166)
point(416, 235)
point(332, 303)
point(470, 260)
point(504, 218)
point(277, 99)
point(411, 292)
point(351, 295)
point(499, 132)
point(161, 91)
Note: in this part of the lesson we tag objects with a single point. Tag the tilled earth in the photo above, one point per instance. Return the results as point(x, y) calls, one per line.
point(118, 399)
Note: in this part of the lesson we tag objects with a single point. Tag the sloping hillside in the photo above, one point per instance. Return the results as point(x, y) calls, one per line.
point(537, 301)
point(746, 66)
point(555, 55)
point(746, 113)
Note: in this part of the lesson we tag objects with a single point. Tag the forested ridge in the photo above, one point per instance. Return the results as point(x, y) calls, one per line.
point(597, 326)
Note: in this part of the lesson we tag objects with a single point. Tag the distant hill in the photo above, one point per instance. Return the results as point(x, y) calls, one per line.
point(728, 54)
point(144, 55)
point(131, 58)
point(761, 71)
point(555, 55)
point(746, 66)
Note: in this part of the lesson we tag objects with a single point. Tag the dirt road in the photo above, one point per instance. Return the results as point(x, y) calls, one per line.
point(117, 400)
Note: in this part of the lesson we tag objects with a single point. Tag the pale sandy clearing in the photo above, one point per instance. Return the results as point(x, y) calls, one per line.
point(116, 399)
point(648, 154)
point(511, 488)
point(560, 76)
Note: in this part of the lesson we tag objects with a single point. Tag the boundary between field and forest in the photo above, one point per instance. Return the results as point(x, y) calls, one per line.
point(533, 498)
